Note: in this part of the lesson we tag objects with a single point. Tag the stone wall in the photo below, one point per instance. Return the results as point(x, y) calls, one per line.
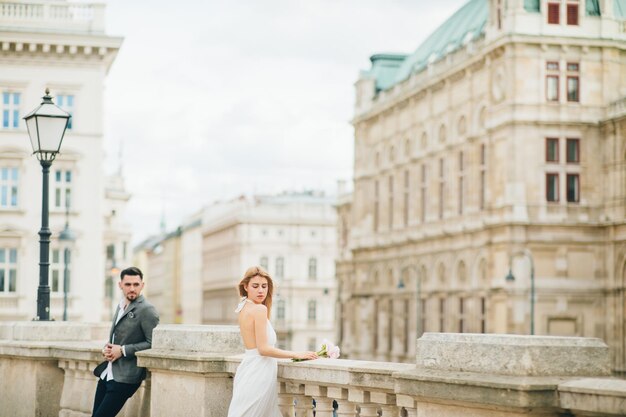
point(192, 369)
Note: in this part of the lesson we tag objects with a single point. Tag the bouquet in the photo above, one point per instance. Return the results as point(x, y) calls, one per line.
point(328, 350)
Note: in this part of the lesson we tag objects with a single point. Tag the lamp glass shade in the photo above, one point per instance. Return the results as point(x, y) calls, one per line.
point(46, 126)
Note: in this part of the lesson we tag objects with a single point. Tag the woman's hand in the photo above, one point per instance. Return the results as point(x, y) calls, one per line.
point(305, 355)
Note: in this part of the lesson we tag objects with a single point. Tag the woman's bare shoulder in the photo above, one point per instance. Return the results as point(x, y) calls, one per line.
point(257, 309)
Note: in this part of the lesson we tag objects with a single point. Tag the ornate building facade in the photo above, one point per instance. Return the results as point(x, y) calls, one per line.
point(499, 144)
point(61, 45)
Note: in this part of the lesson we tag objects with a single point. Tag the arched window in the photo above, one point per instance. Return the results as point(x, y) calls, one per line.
point(424, 141)
point(461, 272)
point(442, 133)
point(462, 126)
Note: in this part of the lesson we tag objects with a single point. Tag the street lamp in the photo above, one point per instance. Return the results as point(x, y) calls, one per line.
point(46, 126)
point(510, 278)
point(66, 237)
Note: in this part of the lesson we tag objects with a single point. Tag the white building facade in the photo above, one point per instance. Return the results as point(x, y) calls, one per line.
point(62, 46)
point(292, 236)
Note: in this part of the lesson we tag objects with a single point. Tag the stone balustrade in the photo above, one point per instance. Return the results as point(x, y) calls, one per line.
point(192, 369)
point(52, 15)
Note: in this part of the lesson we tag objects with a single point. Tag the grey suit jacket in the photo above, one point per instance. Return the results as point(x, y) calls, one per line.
point(134, 332)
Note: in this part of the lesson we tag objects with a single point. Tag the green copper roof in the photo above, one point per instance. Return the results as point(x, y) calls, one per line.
point(384, 69)
point(532, 5)
point(619, 9)
point(466, 24)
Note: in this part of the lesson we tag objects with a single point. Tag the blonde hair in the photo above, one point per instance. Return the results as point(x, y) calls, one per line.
point(257, 271)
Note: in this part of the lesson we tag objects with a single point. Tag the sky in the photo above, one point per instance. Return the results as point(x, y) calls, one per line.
point(210, 100)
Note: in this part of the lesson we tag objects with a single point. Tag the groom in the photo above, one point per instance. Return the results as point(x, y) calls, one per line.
point(119, 376)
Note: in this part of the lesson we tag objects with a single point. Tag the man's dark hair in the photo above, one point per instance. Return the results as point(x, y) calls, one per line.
point(132, 271)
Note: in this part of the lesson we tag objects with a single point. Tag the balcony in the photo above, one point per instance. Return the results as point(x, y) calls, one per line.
point(52, 16)
point(192, 368)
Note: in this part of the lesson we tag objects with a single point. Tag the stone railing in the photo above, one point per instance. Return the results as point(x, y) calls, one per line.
point(617, 108)
point(192, 369)
point(60, 16)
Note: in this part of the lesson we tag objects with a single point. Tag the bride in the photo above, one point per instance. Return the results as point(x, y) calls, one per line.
point(255, 392)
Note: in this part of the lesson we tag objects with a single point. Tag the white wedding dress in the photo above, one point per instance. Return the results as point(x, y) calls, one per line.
point(255, 391)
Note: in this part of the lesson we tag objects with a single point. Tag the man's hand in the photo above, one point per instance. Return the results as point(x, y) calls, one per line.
point(112, 352)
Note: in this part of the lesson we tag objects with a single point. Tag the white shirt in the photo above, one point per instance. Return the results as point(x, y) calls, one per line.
point(108, 373)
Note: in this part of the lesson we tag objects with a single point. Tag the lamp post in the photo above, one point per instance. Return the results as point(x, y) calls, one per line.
point(66, 237)
point(510, 278)
point(46, 127)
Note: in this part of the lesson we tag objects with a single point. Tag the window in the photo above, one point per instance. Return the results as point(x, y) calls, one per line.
point(280, 310)
point(10, 110)
point(312, 268)
point(573, 151)
point(57, 269)
point(499, 8)
point(442, 314)
point(8, 269)
point(312, 344)
point(572, 14)
point(312, 310)
point(552, 81)
point(552, 66)
point(66, 102)
point(406, 198)
point(62, 189)
point(573, 188)
point(461, 182)
point(280, 267)
point(573, 82)
point(391, 202)
point(111, 252)
point(554, 13)
point(263, 263)
point(424, 192)
point(573, 88)
point(376, 204)
point(9, 177)
point(442, 187)
point(552, 88)
point(483, 175)
point(552, 187)
point(461, 315)
point(483, 315)
point(552, 150)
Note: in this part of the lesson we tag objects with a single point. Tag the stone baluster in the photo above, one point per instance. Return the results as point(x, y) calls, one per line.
point(323, 404)
point(409, 404)
point(285, 403)
point(323, 407)
point(345, 407)
point(304, 406)
point(390, 411)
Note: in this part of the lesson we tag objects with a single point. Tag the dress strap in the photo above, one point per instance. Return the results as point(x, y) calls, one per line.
point(242, 303)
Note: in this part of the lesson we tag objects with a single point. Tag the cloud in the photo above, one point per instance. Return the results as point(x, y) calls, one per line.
point(214, 99)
